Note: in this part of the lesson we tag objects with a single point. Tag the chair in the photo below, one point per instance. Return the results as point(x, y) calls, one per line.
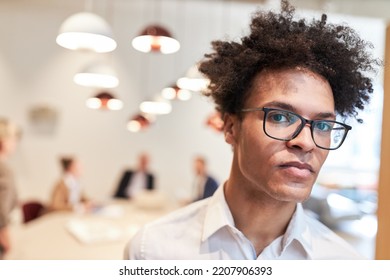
point(32, 210)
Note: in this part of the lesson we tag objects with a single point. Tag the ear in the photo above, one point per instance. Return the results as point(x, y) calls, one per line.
point(230, 128)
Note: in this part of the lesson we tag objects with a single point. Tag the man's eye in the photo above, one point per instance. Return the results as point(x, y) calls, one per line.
point(279, 118)
point(282, 118)
point(323, 126)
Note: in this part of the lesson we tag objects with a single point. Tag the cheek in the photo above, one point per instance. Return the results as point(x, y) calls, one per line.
point(256, 153)
point(321, 157)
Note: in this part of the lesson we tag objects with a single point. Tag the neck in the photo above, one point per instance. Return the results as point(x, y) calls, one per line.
point(259, 217)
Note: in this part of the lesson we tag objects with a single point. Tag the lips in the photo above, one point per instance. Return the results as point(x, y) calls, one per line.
point(297, 169)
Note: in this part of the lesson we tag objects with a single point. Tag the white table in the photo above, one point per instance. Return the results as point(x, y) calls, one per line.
point(50, 236)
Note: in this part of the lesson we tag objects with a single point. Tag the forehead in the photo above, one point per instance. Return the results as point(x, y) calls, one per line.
point(298, 86)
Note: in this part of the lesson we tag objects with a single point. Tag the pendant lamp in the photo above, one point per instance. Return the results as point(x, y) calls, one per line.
point(139, 122)
point(105, 101)
point(98, 75)
point(193, 80)
point(174, 92)
point(156, 38)
point(156, 106)
point(86, 31)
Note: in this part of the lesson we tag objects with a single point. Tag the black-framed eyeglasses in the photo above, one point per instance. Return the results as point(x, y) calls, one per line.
point(285, 125)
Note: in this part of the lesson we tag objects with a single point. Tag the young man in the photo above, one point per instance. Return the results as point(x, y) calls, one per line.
point(279, 92)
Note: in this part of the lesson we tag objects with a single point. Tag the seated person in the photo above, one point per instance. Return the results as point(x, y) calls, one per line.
point(135, 181)
point(67, 193)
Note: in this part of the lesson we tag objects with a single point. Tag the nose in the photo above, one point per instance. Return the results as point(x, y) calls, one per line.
point(303, 141)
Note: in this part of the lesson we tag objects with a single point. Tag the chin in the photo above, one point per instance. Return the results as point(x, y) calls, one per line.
point(294, 193)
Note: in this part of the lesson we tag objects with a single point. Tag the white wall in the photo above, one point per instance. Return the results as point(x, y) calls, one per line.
point(35, 71)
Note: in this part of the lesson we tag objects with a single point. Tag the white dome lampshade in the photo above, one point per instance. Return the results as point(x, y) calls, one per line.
point(193, 80)
point(155, 38)
point(156, 106)
point(105, 101)
point(86, 31)
point(98, 75)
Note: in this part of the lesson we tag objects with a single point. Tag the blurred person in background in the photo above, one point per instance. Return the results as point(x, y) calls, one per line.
point(204, 184)
point(9, 136)
point(67, 194)
point(135, 181)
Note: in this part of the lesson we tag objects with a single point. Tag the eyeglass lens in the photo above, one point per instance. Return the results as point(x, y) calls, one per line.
point(284, 125)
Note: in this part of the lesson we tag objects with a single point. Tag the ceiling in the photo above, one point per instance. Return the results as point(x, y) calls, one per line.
point(372, 8)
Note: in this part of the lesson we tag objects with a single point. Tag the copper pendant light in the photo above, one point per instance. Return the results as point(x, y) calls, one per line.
point(156, 38)
point(174, 92)
point(104, 101)
point(139, 122)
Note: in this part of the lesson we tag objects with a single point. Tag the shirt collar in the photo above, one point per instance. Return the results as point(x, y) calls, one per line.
point(70, 180)
point(217, 215)
point(298, 230)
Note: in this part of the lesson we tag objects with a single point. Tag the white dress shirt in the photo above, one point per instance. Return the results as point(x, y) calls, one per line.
point(137, 184)
point(205, 230)
point(198, 187)
point(74, 188)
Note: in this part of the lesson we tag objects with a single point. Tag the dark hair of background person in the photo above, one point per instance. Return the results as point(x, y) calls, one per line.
point(66, 162)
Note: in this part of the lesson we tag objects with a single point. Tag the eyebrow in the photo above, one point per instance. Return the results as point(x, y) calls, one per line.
point(289, 107)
